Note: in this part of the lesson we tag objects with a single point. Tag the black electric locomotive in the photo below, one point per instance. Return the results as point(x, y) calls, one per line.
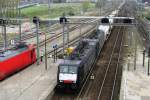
point(74, 69)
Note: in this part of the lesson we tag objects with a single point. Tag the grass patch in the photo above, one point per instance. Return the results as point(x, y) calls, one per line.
point(146, 13)
point(56, 10)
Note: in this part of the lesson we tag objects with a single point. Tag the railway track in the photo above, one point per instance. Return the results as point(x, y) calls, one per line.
point(54, 29)
point(105, 72)
point(91, 89)
point(47, 30)
point(75, 40)
point(107, 89)
point(70, 96)
point(51, 38)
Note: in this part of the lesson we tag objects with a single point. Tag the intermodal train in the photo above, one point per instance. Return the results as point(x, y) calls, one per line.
point(73, 70)
point(108, 28)
point(16, 58)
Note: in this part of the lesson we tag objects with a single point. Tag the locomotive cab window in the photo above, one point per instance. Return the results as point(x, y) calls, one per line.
point(68, 69)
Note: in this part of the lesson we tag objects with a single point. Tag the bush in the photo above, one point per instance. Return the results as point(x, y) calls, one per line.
point(71, 13)
point(85, 5)
point(148, 17)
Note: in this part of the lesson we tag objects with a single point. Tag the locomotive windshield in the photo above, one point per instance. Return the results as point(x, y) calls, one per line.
point(68, 69)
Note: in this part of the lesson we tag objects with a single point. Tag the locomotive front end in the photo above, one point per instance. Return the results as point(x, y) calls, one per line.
point(67, 77)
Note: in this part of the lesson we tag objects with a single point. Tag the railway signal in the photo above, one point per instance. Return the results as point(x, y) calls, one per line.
point(36, 21)
point(104, 20)
point(62, 20)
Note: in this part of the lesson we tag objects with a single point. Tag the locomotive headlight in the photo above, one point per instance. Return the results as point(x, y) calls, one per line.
point(60, 81)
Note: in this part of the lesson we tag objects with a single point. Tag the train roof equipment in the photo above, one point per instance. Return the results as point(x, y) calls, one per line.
point(79, 51)
point(13, 51)
point(69, 50)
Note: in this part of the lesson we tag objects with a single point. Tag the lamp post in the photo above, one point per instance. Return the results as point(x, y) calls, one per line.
point(45, 53)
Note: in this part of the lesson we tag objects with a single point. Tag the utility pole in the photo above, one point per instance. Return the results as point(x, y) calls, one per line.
point(49, 6)
point(19, 23)
point(67, 35)
point(4, 33)
point(148, 60)
point(45, 51)
point(3, 22)
point(100, 8)
point(135, 52)
point(64, 38)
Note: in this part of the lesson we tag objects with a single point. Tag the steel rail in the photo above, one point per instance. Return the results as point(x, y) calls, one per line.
point(116, 72)
point(106, 73)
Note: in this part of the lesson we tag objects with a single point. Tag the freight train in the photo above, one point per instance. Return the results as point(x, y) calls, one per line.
point(16, 58)
point(108, 28)
point(74, 69)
